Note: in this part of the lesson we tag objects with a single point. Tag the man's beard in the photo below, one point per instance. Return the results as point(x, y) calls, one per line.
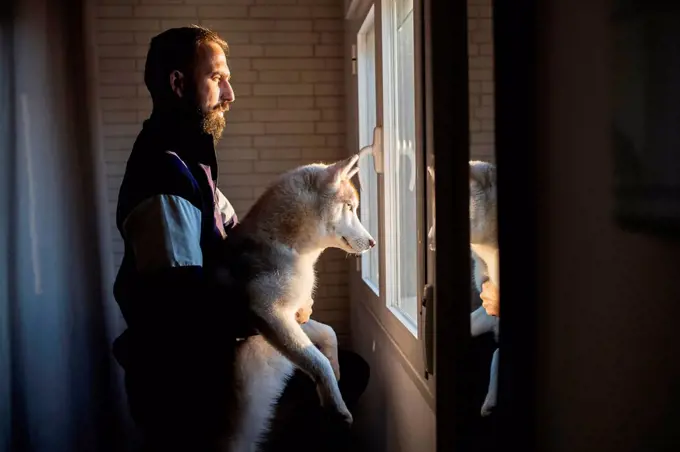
point(213, 123)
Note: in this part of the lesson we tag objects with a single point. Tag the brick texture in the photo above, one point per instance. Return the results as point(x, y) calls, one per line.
point(480, 60)
point(286, 62)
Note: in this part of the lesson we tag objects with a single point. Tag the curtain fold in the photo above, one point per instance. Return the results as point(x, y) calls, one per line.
point(60, 389)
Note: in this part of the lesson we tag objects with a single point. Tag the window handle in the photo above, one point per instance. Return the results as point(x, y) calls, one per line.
point(407, 150)
point(432, 233)
point(376, 149)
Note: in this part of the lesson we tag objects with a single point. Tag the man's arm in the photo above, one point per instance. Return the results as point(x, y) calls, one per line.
point(164, 232)
point(173, 288)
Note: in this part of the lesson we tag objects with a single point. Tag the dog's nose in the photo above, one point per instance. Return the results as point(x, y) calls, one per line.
point(371, 243)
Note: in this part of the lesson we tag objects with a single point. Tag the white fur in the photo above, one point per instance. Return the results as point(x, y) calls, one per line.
point(304, 212)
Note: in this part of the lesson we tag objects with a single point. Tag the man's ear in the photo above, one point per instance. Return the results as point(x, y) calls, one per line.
point(177, 83)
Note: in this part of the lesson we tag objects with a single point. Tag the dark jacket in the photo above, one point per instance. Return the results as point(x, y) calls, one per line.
point(178, 346)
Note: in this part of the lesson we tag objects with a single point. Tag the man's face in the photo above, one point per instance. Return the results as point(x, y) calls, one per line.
point(212, 92)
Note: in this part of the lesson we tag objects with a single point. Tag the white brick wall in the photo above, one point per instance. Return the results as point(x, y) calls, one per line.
point(286, 62)
point(480, 47)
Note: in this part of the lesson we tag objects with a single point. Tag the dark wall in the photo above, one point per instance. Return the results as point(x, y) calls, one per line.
point(608, 371)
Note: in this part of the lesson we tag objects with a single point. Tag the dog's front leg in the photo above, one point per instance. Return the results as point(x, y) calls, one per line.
point(283, 332)
point(324, 337)
point(492, 393)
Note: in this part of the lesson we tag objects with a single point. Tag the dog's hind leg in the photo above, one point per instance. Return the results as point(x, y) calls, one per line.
point(324, 337)
point(262, 373)
point(286, 335)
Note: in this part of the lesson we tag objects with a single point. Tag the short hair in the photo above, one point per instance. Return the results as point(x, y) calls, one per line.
point(175, 50)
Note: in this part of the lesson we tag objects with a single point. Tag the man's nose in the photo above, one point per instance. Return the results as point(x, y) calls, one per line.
point(228, 93)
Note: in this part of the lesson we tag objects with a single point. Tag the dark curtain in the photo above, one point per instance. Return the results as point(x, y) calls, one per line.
point(59, 387)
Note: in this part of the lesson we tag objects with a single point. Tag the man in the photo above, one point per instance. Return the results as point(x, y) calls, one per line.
point(177, 349)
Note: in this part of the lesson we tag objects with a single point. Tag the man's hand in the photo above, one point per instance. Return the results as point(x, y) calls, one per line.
point(304, 313)
point(490, 299)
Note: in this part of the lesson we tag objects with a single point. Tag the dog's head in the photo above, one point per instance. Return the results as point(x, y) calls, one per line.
point(483, 208)
point(340, 226)
point(313, 207)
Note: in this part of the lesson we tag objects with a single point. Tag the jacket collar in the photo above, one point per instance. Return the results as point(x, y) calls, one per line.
point(175, 131)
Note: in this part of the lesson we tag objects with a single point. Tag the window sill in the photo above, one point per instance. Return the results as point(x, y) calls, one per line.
point(405, 320)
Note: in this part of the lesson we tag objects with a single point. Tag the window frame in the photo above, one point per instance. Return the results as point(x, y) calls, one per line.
point(410, 348)
point(367, 167)
point(391, 190)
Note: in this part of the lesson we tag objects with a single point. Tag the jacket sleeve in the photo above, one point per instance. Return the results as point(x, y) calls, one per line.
point(163, 232)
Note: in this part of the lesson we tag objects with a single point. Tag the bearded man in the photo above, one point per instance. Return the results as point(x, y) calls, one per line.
point(179, 342)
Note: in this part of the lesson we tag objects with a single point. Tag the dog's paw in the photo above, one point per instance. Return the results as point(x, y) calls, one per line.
point(335, 409)
point(488, 406)
point(341, 416)
point(337, 428)
point(486, 410)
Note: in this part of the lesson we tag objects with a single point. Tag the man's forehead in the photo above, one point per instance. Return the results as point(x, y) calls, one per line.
point(211, 58)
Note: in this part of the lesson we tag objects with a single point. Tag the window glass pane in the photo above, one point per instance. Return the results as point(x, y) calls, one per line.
point(368, 210)
point(401, 171)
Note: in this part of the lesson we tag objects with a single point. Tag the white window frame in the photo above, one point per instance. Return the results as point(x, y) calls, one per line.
point(405, 336)
point(391, 154)
point(370, 261)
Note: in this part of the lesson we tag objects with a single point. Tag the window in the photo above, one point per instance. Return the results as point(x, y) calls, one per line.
point(368, 178)
point(401, 228)
point(387, 68)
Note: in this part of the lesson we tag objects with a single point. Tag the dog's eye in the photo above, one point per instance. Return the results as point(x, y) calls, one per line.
point(349, 206)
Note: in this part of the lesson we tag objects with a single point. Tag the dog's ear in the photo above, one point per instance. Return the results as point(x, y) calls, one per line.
point(342, 170)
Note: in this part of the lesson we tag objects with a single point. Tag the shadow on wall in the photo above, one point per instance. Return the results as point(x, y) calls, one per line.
point(392, 415)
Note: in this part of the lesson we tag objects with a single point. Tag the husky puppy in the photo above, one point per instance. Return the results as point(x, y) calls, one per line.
point(484, 247)
point(303, 212)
